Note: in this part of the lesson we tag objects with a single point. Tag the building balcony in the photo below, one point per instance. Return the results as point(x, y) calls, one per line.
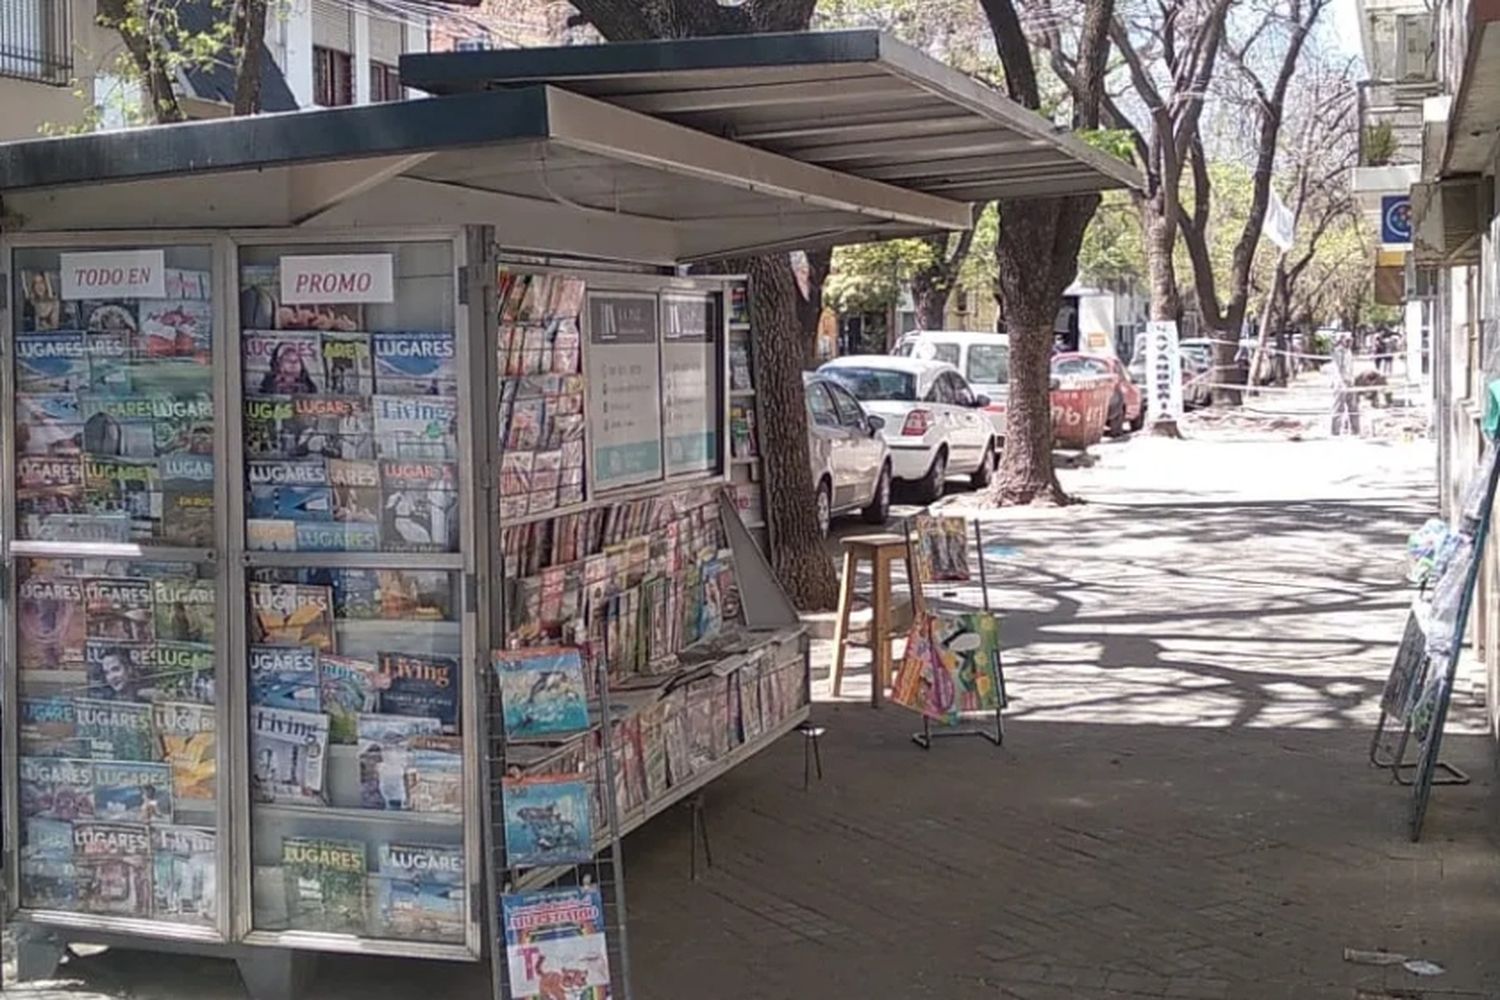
point(1468, 33)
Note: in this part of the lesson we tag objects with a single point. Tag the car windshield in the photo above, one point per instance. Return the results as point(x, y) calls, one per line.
point(875, 383)
point(989, 364)
point(1076, 366)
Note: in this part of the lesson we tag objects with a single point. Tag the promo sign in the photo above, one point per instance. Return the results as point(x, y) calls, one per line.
point(337, 278)
point(114, 274)
point(1163, 371)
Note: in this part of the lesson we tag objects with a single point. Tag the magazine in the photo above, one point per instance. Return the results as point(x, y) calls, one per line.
point(124, 486)
point(416, 429)
point(56, 788)
point(350, 688)
point(416, 364)
point(333, 536)
point(113, 861)
point(109, 361)
point(348, 363)
point(288, 755)
point(118, 426)
point(119, 671)
point(180, 329)
point(48, 424)
point(49, 879)
point(184, 873)
point(418, 893)
point(188, 742)
point(182, 671)
point(334, 426)
point(270, 427)
point(132, 792)
point(435, 774)
point(187, 503)
point(119, 608)
point(419, 506)
point(292, 614)
point(393, 594)
point(356, 490)
point(49, 728)
point(285, 677)
point(325, 884)
point(548, 821)
point(384, 756)
point(542, 691)
point(41, 305)
point(50, 623)
point(115, 730)
point(184, 609)
point(283, 363)
point(181, 424)
point(260, 305)
point(941, 546)
point(184, 283)
point(51, 362)
point(290, 503)
point(265, 535)
point(118, 316)
point(48, 486)
point(421, 684)
point(555, 944)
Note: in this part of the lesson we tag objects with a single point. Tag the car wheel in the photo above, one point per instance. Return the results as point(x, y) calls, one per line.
point(880, 507)
point(930, 486)
point(1115, 423)
point(825, 507)
point(1140, 419)
point(986, 471)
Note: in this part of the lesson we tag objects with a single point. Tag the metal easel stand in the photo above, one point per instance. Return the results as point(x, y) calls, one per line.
point(997, 735)
point(1408, 675)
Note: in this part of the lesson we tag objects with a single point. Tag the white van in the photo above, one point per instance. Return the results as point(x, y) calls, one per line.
point(982, 358)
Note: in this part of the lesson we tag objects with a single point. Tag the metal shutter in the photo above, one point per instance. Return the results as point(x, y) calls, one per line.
point(386, 38)
point(333, 26)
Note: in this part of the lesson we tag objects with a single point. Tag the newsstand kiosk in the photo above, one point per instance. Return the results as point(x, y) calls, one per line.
point(312, 412)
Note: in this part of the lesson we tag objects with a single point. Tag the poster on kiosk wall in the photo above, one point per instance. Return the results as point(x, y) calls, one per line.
point(625, 392)
point(690, 382)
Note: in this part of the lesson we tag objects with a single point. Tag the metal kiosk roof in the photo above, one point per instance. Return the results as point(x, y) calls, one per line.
point(555, 170)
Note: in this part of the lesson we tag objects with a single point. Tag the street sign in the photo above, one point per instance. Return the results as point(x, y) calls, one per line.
point(1163, 372)
point(1395, 218)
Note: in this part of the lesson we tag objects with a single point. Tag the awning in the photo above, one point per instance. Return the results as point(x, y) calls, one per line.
point(1449, 218)
point(555, 171)
point(855, 101)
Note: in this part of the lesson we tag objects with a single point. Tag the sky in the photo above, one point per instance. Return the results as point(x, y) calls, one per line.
point(1346, 26)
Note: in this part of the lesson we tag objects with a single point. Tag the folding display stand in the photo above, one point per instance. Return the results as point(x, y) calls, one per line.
point(1407, 678)
point(918, 568)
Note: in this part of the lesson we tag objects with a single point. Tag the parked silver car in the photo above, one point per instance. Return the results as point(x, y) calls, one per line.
point(851, 466)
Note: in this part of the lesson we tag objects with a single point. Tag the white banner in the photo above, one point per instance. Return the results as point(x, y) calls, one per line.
point(337, 278)
point(1280, 226)
point(1163, 372)
point(114, 274)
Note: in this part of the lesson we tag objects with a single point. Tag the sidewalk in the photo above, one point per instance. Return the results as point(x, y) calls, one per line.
point(1182, 807)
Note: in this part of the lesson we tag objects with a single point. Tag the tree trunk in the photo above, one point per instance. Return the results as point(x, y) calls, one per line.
point(932, 305)
point(797, 555)
point(1027, 471)
point(810, 306)
point(139, 31)
point(1160, 240)
point(249, 43)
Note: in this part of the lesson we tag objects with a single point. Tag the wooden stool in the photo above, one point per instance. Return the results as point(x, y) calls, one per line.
point(880, 551)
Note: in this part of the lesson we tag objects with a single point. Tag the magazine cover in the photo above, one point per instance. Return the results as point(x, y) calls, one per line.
point(384, 757)
point(283, 363)
point(119, 316)
point(942, 548)
point(182, 671)
point(47, 485)
point(292, 614)
point(419, 893)
point(109, 361)
point(48, 424)
point(184, 873)
point(419, 506)
point(119, 608)
point(50, 623)
point(334, 426)
point(290, 503)
point(555, 944)
point(187, 503)
point(184, 609)
point(115, 730)
point(51, 362)
point(349, 364)
point(118, 426)
point(49, 728)
point(42, 308)
point(547, 821)
point(113, 861)
point(356, 491)
point(260, 305)
point(350, 688)
point(325, 884)
point(124, 486)
point(335, 536)
point(435, 774)
point(270, 427)
point(412, 594)
point(56, 788)
point(416, 429)
point(265, 535)
point(288, 755)
point(416, 364)
point(49, 879)
point(951, 666)
point(182, 424)
point(118, 671)
point(542, 691)
point(186, 283)
point(421, 684)
point(285, 677)
point(188, 743)
point(176, 328)
point(132, 792)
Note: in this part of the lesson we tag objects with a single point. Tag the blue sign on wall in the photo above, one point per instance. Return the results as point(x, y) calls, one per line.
point(1395, 218)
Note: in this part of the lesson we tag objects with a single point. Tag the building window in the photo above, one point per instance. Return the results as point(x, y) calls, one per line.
point(333, 77)
point(385, 82)
point(36, 41)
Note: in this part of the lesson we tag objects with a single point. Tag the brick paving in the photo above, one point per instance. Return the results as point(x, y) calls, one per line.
point(1182, 808)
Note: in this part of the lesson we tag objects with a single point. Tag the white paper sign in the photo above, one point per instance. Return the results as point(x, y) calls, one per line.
point(1163, 371)
point(337, 278)
point(115, 274)
point(625, 391)
point(690, 384)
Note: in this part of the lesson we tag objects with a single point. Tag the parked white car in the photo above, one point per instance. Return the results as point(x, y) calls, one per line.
point(851, 465)
point(982, 358)
point(935, 424)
